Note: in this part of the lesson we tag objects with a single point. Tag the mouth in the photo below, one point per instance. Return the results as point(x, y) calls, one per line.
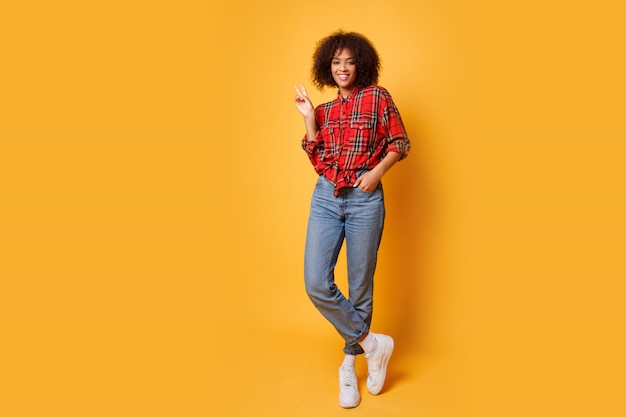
point(343, 77)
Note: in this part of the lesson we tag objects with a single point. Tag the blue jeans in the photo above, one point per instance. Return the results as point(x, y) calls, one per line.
point(358, 217)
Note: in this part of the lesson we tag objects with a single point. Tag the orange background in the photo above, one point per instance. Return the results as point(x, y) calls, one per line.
point(154, 201)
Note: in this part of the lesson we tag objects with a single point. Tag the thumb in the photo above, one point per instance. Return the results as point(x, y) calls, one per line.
point(357, 182)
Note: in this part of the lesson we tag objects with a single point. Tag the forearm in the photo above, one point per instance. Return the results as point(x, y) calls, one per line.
point(369, 181)
point(311, 128)
point(386, 163)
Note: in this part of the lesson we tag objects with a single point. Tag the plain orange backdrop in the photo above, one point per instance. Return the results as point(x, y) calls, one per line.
point(154, 200)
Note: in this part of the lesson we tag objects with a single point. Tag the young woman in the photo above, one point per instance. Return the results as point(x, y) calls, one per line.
point(352, 142)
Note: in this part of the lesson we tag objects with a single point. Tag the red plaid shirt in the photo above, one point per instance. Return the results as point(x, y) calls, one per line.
point(355, 134)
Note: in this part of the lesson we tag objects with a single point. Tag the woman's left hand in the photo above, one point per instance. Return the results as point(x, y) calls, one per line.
point(368, 182)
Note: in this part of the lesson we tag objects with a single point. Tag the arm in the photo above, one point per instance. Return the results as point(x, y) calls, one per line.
point(398, 146)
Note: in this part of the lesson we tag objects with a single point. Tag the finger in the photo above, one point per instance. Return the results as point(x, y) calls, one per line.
point(300, 93)
point(304, 92)
point(357, 182)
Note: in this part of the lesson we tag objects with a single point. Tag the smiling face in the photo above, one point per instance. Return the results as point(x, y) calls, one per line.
point(343, 68)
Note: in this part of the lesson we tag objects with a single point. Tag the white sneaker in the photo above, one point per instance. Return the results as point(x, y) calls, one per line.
point(377, 363)
point(349, 396)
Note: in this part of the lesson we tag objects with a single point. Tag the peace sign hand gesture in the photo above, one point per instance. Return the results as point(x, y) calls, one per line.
point(303, 103)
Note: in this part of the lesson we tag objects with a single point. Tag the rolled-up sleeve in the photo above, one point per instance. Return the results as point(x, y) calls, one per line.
point(397, 138)
point(314, 148)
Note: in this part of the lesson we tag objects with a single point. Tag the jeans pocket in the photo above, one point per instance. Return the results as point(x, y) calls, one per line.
point(365, 192)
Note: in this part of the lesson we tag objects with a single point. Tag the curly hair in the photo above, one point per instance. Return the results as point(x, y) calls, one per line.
point(365, 57)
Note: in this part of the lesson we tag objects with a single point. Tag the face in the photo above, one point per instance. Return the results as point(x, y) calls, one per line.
point(343, 68)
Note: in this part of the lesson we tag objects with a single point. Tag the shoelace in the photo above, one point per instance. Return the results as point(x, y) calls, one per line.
point(347, 377)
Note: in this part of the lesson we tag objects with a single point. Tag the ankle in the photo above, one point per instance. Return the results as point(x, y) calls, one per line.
point(369, 343)
point(349, 361)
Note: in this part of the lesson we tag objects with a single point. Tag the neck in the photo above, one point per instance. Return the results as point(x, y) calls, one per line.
point(345, 93)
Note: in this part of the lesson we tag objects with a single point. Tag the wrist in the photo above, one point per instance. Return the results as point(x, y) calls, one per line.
point(378, 170)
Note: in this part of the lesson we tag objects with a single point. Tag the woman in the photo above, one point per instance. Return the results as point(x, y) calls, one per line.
point(352, 142)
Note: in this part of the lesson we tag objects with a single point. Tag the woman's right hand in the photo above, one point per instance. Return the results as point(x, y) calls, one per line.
point(303, 103)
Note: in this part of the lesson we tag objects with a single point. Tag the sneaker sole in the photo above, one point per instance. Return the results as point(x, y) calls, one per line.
point(350, 404)
point(386, 357)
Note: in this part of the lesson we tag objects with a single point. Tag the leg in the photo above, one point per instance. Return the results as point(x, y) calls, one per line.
point(365, 214)
point(364, 225)
point(325, 237)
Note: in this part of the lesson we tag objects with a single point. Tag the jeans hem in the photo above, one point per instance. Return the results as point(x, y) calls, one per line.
point(353, 347)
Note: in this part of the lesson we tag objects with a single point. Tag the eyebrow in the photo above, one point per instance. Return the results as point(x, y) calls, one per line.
point(350, 57)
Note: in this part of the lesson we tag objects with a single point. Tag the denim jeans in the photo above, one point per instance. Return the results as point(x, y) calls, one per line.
point(358, 217)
